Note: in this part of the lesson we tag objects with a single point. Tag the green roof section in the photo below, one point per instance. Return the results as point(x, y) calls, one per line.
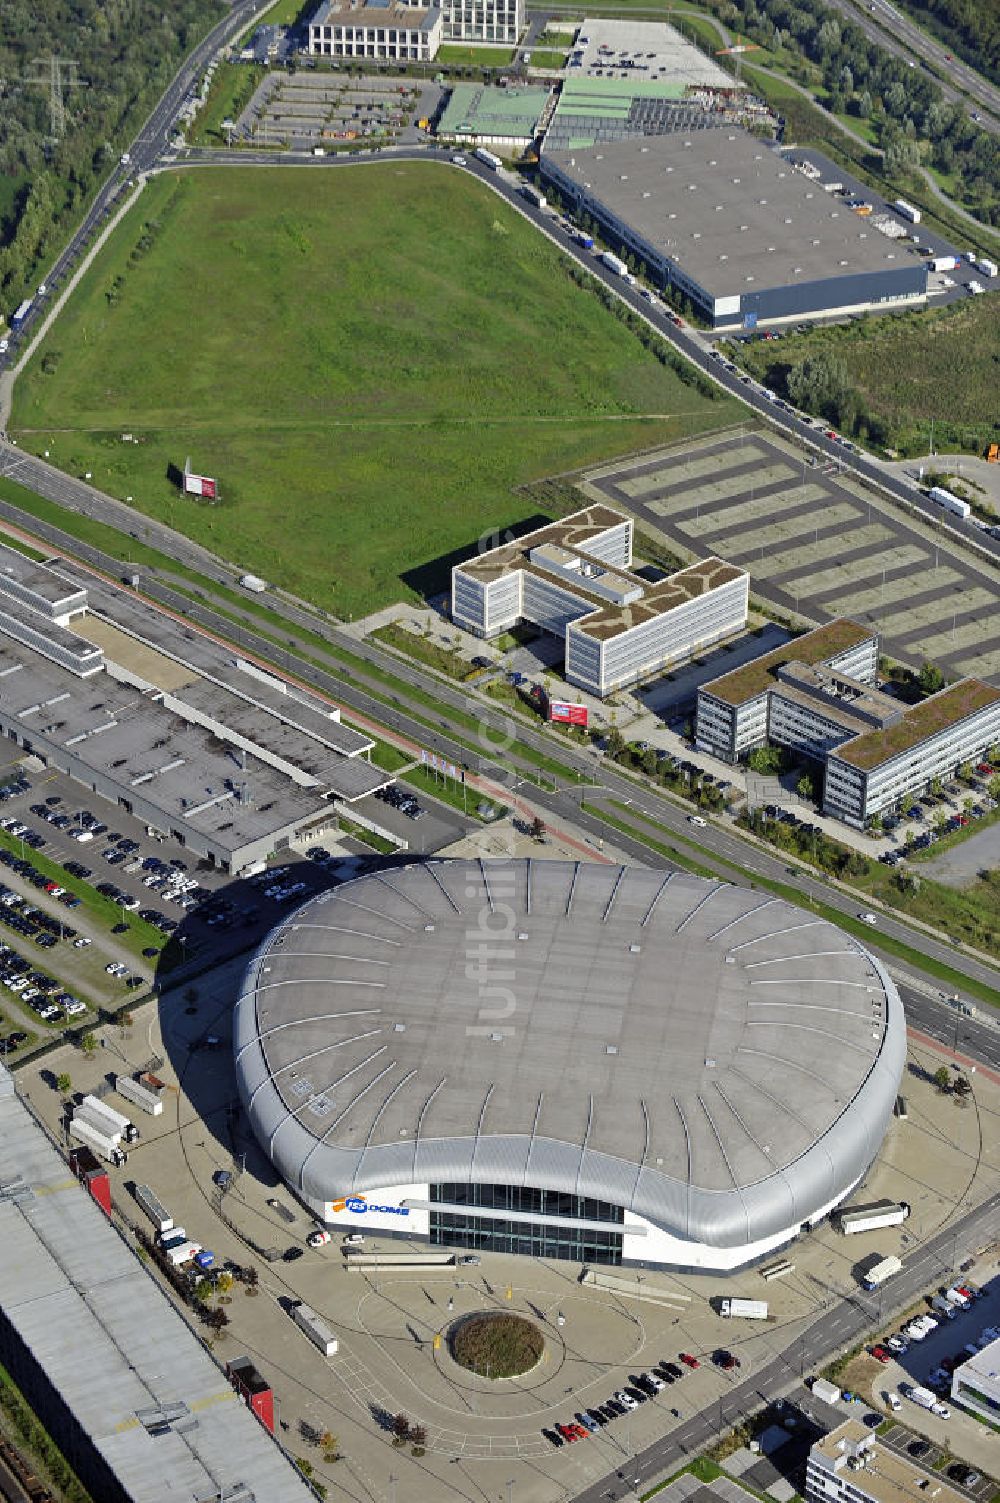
point(595, 91)
point(919, 723)
point(757, 676)
point(482, 110)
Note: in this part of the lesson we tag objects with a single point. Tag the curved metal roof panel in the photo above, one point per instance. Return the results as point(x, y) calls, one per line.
point(716, 1060)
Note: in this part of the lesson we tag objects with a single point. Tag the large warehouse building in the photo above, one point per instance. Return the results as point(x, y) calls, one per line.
point(574, 1061)
point(725, 220)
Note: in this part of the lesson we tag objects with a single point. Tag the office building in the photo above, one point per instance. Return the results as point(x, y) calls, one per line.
point(391, 33)
point(851, 1465)
point(572, 578)
point(594, 1079)
point(975, 1384)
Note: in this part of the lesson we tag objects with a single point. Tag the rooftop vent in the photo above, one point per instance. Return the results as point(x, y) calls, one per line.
point(428, 928)
point(709, 1062)
point(399, 1027)
point(611, 1048)
point(496, 1038)
point(634, 949)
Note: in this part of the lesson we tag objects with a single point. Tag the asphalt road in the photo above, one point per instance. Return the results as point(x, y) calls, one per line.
point(840, 1325)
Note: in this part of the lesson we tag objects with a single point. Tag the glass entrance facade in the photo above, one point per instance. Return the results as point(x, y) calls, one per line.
point(538, 1236)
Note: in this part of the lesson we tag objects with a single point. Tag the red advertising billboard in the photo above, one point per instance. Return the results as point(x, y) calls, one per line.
point(561, 712)
point(199, 485)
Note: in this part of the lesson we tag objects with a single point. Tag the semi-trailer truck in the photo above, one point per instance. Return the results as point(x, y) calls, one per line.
point(870, 1218)
point(96, 1136)
point(146, 1092)
point(315, 1328)
point(117, 1121)
point(943, 263)
point(157, 1213)
point(253, 583)
point(534, 195)
point(487, 158)
point(950, 502)
point(880, 1271)
point(743, 1309)
point(907, 210)
point(613, 263)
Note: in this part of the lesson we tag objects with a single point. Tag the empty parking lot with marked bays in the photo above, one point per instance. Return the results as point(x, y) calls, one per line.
point(816, 543)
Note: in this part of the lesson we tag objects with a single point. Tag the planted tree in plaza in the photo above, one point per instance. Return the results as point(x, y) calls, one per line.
point(63, 1083)
point(400, 1429)
point(537, 828)
point(418, 1439)
point(942, 1078)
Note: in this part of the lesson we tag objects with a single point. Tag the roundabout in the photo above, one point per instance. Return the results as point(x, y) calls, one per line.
point(497, 1344)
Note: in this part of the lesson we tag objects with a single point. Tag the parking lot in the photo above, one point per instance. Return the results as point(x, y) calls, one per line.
point(814, 543)
point(306, 111)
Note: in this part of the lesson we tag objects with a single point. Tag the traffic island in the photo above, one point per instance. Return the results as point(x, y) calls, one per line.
point(496, 1344)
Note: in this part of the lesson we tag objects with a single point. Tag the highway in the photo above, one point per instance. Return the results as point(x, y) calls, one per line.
point(841, 1323)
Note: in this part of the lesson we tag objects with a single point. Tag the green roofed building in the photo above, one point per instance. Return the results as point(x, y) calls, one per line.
point(499, 117)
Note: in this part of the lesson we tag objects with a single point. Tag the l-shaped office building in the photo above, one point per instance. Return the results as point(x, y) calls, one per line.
point(573, 578)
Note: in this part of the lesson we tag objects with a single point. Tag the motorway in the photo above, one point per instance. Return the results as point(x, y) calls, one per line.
point(841, 1325)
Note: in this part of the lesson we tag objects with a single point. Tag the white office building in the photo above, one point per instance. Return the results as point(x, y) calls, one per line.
point(393, 33)
point(976, 1384)
point(573, 579)
point(851, 1465)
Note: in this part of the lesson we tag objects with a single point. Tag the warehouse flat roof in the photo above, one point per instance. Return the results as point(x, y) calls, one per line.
point(55, 595)
point(818, 646)
point(16, 618)
point(624, 47)
point(112, 1346)
point(729, 211)
point(919, 723)
point(649, 1016)
point(479, 110)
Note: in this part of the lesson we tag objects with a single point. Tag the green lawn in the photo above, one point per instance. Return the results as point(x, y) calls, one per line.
point(369, 359)
point(545, 58)
point(230, 92)
point(475, 57)
point(896, 361)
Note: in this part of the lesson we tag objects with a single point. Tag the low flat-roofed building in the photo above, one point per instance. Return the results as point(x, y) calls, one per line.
point(723, 219)
point(141, 1410)
point(573, 578)
point(651, 52)
point(40, 587)
point(975, 1384)
point(850, 1465)
point(392, 33)
point(67, 648)
point(495, 117)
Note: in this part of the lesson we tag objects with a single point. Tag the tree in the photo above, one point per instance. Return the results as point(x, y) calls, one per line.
point(804, 787)
point(865, 104)
point(930, 679)
point(400, 1428)
point(942, 1078)
point(418, 1439)
point(649, 760)
point(203, 1291)
point(89, 1043)
point(965, 772)
point(962, 1086)
point(537, 830)
point(820, 384)
point(906, 803)
point(63, 1083)
point(616, 742)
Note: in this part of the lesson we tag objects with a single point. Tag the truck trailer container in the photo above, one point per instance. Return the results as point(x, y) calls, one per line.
point(534, 195)
point(743, 1309)
point(315, 1328)
point(943, 263)
point(253, 583)
point(96, 1136)
point(487, 158)
point(882, 1270)
point(157, 1213)
point(117, 1121)
point(869, 1218)
point(146, 1092)
point(950, 502)
point(825, 1390)
point(907, 210)
point(988, 268)
point(183, 1253)
point(613, 263)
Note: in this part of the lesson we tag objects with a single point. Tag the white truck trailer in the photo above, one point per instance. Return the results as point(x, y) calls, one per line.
point(253, 583)
point(157, 1213)
point(315, 1328)
point(827, 1391)
point(907, 210)
point(487, 158)
point(86, 1129)
point(871, 1218)
point(117, 1121)
point(950, 502)
point(928, 1400)
point(743, 1309)
point(534, 195)
point(144, 1092)
point(880, 1271)
point(613, 263)
point(943, 263)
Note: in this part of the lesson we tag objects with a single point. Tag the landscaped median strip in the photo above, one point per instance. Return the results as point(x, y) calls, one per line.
point(954, 980)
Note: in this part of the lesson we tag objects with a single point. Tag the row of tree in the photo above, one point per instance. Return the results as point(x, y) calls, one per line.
point(123, 55)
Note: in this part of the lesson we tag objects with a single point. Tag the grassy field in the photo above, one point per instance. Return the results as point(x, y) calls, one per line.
point(475, 57)
point(910, 368)
point(547, 58)
point(369, 360)
point(230, 92)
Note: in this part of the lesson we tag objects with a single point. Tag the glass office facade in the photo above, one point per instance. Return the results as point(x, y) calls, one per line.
point(534, 1237)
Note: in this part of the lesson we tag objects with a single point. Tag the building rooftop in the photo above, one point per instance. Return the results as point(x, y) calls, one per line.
point(656, 599)
point(118, 1355)
point(646, 53)
point(855, 705)
point(985, 1364)
point(729, 211)
point(818, 646)
point(407, 17)
point(885, 1475)
point(478, 110)
point(54, 594)
point(919, 723)
point(649, 1017)
point(67, 643)
point(572, 532)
